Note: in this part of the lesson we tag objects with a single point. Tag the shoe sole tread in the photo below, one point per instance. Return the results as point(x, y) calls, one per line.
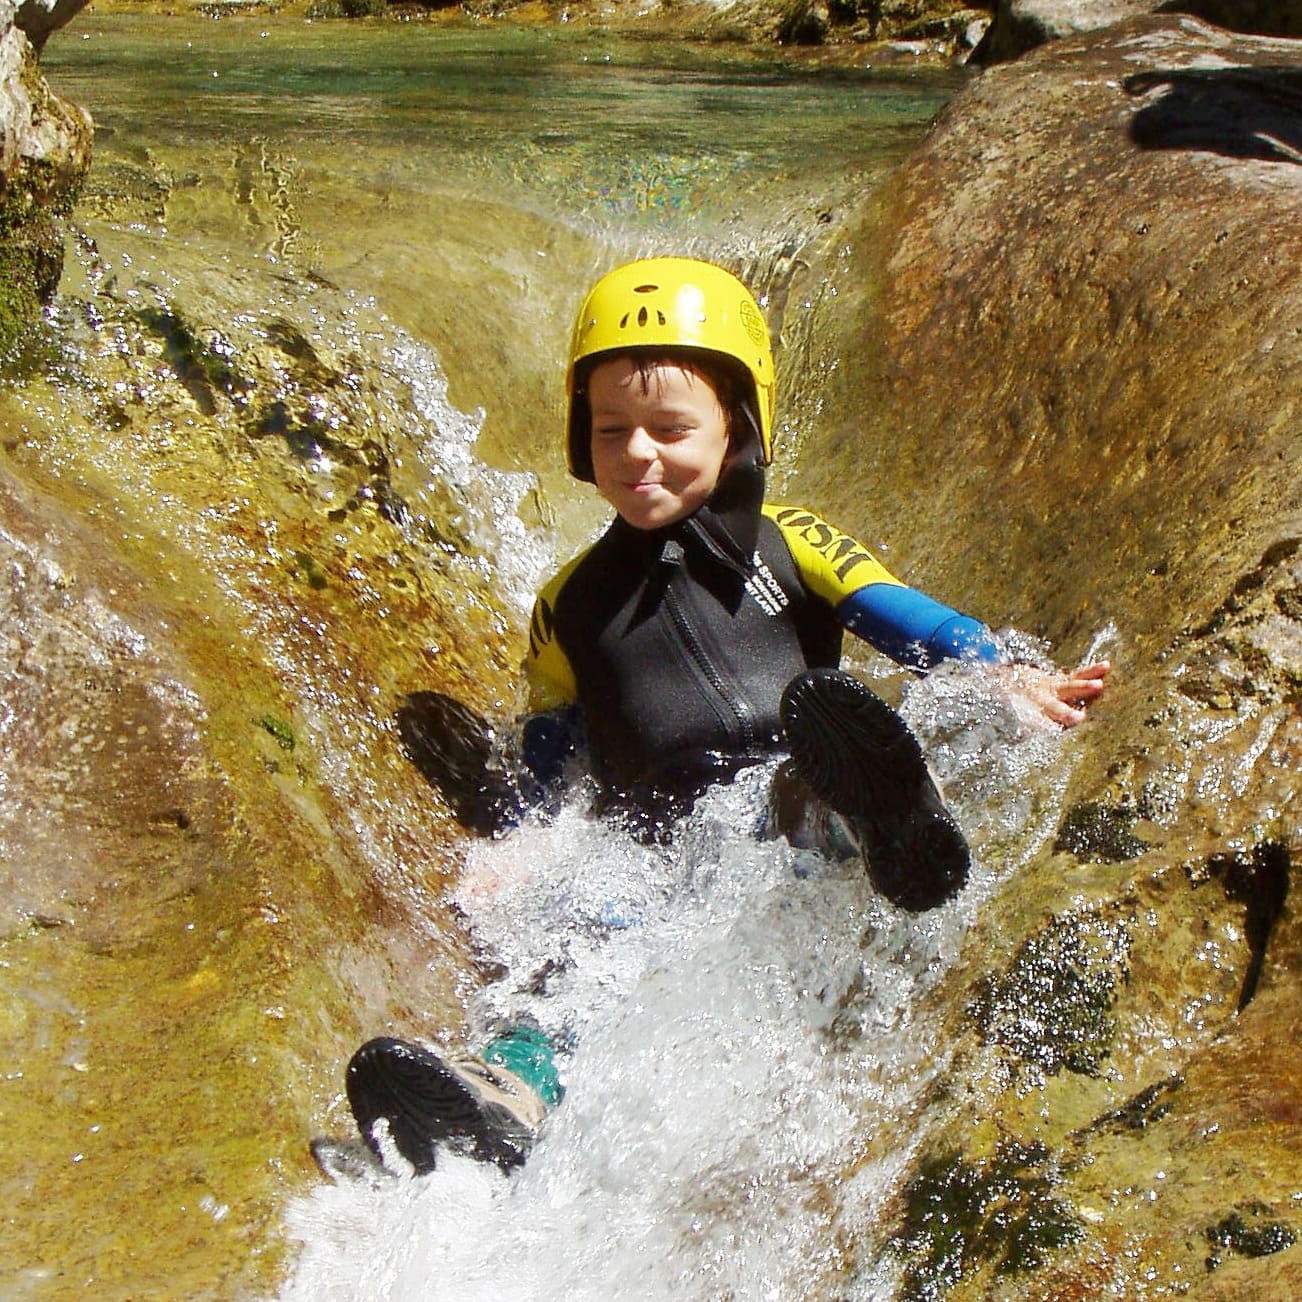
point(859, 756)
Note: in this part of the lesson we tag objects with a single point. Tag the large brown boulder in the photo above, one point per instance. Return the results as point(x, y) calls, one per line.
point(1088, 345)
point(1021, 25)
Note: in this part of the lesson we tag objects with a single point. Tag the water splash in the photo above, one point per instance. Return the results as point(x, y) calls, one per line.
point(311, 384)
point(291, 463)
point(750, 1027)
point(749, 1035)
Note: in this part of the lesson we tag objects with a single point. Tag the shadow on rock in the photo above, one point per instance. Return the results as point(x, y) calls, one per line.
point(1241, 112)
point(1260, 881)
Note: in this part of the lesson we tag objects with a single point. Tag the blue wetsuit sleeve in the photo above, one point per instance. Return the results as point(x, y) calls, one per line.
point(915, 629)
point(548, 741)
point(903, 623)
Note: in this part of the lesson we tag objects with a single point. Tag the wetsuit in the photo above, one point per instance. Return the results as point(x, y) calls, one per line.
point(677, 643)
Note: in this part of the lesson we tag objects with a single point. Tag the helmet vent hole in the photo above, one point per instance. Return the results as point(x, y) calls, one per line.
point(646, 289)
point(641, 316)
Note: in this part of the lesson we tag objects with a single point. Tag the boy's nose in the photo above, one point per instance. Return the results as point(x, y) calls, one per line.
point(640, 446)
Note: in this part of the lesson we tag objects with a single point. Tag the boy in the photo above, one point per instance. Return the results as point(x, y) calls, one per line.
point(700, 634)
point(680, 631)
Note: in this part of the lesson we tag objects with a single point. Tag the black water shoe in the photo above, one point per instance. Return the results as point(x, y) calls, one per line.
point(859, 757)
point(452, 746)
point(426, 1101)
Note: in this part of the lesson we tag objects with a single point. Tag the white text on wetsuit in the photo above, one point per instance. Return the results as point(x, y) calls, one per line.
point(765, 588)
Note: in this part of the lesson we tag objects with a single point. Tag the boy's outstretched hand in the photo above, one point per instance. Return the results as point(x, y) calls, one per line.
point(1056, 695)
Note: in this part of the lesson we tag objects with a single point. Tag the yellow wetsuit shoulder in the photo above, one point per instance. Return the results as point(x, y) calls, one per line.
point(831, 562)
point(547, 668)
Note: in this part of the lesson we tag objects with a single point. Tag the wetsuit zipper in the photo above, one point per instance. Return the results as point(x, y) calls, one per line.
point(673, 555)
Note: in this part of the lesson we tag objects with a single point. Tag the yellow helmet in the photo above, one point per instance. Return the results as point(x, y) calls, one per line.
point(669, 303)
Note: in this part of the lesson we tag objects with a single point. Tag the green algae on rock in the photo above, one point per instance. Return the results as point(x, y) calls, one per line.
point(999, 1212)
point(1248, 1232)
point(1094, 830)
point(1052, 1006)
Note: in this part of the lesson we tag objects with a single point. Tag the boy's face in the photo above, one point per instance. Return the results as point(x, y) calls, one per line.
point(658, 443)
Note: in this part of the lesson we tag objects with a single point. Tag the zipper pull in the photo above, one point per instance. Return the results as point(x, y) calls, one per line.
point(672, 553)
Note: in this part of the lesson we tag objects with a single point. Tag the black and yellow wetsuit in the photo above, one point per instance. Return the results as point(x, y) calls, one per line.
point(677, 643)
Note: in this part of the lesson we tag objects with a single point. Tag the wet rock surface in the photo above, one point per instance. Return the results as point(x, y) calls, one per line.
point(1022, 25)
point(198, 917)
point(1088, 348)
point(1092, 350)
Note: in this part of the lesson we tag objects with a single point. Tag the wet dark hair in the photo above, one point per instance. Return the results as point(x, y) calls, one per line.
point(731, 382)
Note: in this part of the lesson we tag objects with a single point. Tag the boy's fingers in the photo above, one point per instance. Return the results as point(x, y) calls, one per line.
point(1072, 688)
point(1062, 713)
point(1099, 669)
point(1084, 683)
point(1060, 697)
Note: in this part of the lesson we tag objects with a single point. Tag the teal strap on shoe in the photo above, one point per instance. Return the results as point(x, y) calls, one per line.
point(531, 1056)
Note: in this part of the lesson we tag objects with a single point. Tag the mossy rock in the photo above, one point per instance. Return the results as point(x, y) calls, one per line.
point(1100, 833)
point(1251, 1231)
point(1052, 1006)
point(36, 192)
point(963, 1215)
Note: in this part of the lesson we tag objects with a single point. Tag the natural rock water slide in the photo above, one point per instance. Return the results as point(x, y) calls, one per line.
point(241, 518)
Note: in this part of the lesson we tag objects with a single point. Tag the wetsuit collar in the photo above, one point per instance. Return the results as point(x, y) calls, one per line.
point(726, 527)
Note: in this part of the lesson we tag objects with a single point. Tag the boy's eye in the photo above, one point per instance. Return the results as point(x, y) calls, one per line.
point(664, 432)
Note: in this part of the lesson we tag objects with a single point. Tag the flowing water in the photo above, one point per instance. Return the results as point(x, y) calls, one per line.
point(746, 1055)
point(306, 363)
